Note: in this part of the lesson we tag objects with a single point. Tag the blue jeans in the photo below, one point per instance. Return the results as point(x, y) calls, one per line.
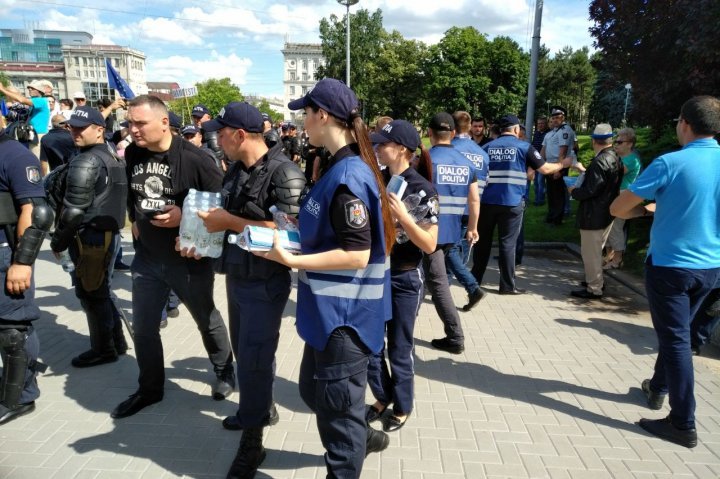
point(674, 296)
point(455, 264)
point(539, 183)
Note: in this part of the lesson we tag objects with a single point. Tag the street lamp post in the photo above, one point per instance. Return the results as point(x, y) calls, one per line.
point(348, 4)
point(627, 95)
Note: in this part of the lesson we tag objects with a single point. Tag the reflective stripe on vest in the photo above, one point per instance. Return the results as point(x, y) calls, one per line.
point(510, 177)
point(367, 283)
point(451, 205)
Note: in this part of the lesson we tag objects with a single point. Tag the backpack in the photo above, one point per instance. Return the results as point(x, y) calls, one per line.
point(22, 131)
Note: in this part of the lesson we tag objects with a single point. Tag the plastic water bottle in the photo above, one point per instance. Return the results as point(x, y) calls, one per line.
point(413, 201)
point(416, 211)
point(67, 265)
point(281, 219)
point(237, 240)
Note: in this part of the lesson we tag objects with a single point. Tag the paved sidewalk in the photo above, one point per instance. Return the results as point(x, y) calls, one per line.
point(547, 387)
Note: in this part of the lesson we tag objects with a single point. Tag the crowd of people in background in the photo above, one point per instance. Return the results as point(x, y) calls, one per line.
point(368, 253)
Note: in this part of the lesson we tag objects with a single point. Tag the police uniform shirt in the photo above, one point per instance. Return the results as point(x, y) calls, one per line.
point(19, 174)
point(556, 138)
point(151, 189)
point(406, 256)
point(348, 214)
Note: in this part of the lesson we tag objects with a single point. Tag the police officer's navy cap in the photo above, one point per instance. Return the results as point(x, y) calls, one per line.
point(84, 116)
point(602, 131)
point(507, 121)
point(400, 132)
point(189, 130)
point(238, 114)
point(175, 120)
point(331, 95)
point(558, 110)
point(442, 121)
point(284, 126)
point(266, 117)
point(200, 111)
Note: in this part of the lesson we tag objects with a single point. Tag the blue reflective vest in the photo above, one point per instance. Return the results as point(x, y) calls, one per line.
point(356, 298)
point(477, 155)
point(507, 180)
point(452, 176)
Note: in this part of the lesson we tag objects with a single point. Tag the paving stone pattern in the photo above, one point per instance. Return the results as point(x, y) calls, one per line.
point(547, 387)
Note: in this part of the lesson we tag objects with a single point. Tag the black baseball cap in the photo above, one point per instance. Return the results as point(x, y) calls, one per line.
point(238, 114)
point(200, 111)
point(442, 121)
point(400, 132)
point(508, 121)
point(331, 95)
point(189, 130)
point(84, 115)
point(174, 120)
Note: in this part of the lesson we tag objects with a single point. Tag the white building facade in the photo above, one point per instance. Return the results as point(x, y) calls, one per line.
point(300, 64)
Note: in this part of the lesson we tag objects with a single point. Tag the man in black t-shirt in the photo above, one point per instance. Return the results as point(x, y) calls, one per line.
point(161, 168)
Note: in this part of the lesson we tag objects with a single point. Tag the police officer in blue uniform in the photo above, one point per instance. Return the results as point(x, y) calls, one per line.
point(257, 288)
point(344, 277)
point(502, 200)
point(25, 218)
point(457, 255)
point(455, 181)
point(557, 145)
point(396, 143)
point(93, 211)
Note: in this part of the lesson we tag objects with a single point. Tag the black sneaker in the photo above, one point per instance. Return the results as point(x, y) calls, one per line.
point(91, 358)
point(8, 414)
point(376, 441)
point(224, 384)
point(446, 344)
point(654, 400)
point(250, 455)
point(474, 298)
point(664, 429)
point(232, 423)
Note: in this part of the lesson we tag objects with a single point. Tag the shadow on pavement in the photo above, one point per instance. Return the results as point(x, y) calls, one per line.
point(526, 389)
point(636, 337)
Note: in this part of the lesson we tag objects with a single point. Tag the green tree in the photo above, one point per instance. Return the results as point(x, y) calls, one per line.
point(264, 107)
point(366, 34)
point(213, 93)
point(567, 79)
point(465, 71)
point(666, 49)
point(4, 79)
point(396, 79)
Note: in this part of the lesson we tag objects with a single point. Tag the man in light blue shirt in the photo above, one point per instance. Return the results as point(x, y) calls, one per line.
point(683, 261)
point(39, 113)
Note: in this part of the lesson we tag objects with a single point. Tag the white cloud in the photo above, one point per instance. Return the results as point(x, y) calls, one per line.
point(170, 31)
point(86, 21)
point(187, 71)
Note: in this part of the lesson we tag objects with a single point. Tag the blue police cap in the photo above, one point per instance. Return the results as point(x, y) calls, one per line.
point(400, 132)
point(238, 114)
point(175, 120)
point(331, 95)
point(84, 115)
point(200, 111)
point(507, 121)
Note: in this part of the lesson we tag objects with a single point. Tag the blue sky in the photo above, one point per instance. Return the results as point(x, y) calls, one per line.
point(191, 41)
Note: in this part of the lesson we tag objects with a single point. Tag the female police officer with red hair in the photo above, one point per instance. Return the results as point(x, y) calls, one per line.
point(344, 277)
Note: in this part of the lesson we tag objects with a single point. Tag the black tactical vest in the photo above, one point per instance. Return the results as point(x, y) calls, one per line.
point(107, 211)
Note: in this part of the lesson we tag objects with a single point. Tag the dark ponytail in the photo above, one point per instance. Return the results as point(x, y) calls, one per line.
point(368, 156)
point(424, 165)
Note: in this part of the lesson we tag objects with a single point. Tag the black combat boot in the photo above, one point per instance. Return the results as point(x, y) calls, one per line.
point(250, 455)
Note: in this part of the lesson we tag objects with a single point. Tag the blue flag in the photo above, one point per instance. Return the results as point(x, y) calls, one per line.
point(116, 82)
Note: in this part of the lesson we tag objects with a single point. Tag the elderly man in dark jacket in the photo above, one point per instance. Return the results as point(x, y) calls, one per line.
point(598, 189)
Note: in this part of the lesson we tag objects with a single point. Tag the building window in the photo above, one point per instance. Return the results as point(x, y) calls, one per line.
point(85, 62)
point(117, 63)
point(292, 91)
point(305, 76)
point(305, 64)
point(304, 90)
point(92, 74)
point(77, 73)
point(77, 61)
point(292, 76)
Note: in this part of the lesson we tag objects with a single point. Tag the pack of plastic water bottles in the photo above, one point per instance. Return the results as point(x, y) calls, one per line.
point(192, 229)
